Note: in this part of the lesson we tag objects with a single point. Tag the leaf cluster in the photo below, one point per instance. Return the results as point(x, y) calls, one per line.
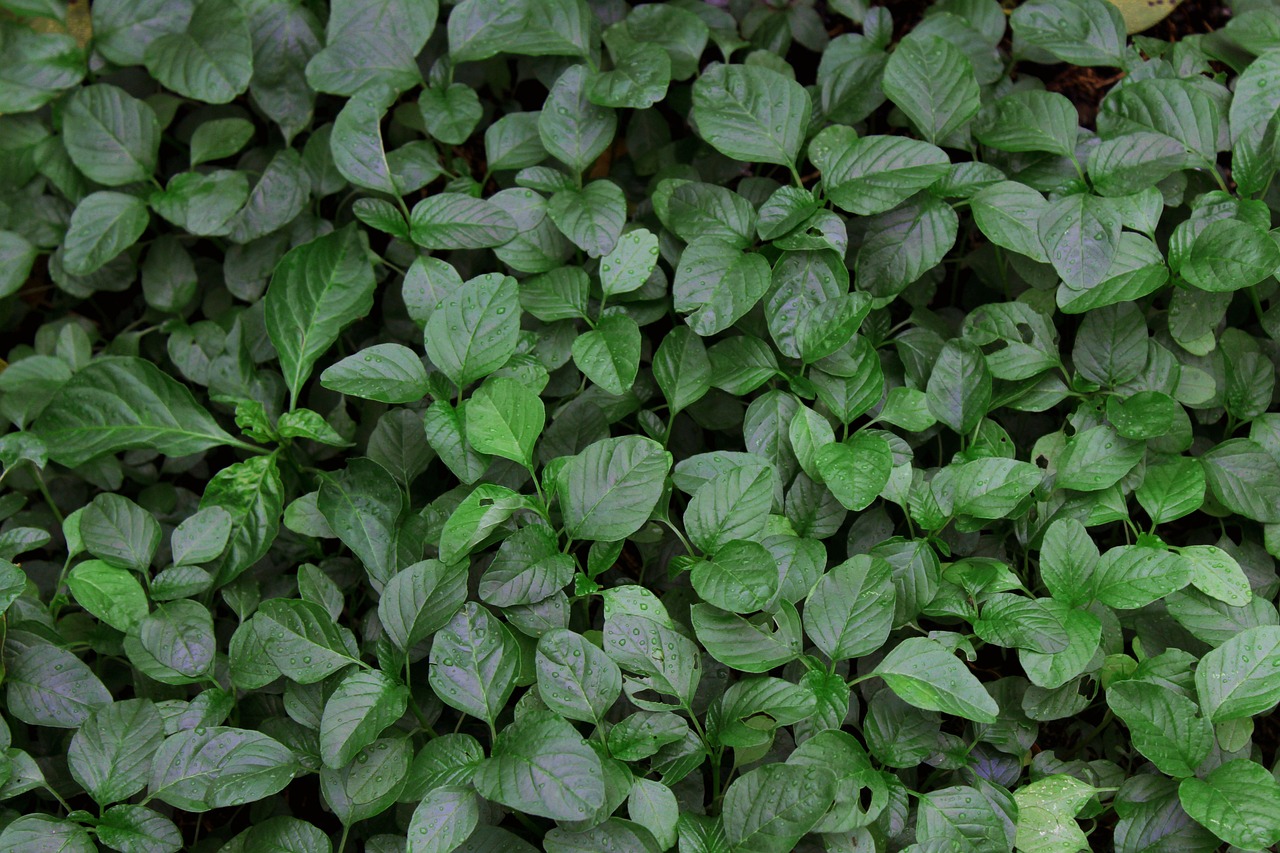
point(575, 425)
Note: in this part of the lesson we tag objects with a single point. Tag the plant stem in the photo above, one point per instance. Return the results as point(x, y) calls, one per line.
point(48, 498)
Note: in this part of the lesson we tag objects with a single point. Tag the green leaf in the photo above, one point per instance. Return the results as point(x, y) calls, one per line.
point(1030, 120)
point(609, 354)
point(213, 767)
point(35, 67)
point(443, 820)
point(450, 113)
point(1173, 487)
point(540, 765)
point(653, 805)
point(201, 536)
point(17, 257)
point(288, 835)
point(682, 369)
point(730, 506)
point(112, 137)
point(830, 325)
point(1145, 415)
point(1008, 214)
point(856, 471)
point(363, 704)
point(1080, 234)
point(575, 678)
point(135, 828)
point(119, 403)
point(1015, 621)
point(1052, 671)
point(117, 530)
point(1217, 574)
point(772, 807)
point(474, 333)
point(740, 577)
point(211, 60)
point(750, 112)
point(716, 284)
point(505, 418)
point(573, 129)
point(1096, 459)
point(479, 30)
point(608, 491)
point(1241, 677)
point(630, 263)
point(1047, 810)
point(122, 29)
point(639, 78)
point(960, 816)
point(1132, 576)
point(1081, 32)
point(356, 141)
point(445, 429)
point(103, 225)
point(1175, 110)
point(388, 373)
point(363, 506)
point(473, 663)
point(371, 44)
point(37, 833)
point(111, 594)
point(457, 221)
point(420, 600)
point(877, 173)
point(615, 833)
point(986, 488)
point(925, 674)
point(110, 755)
point(1164, 725)
point(932, 82)
point(1068, 561)
point(959, 388)
point(253, 494)
point(219, 138)
point(48, 686)
point(316, 290)
point(849, 612)
point(1244, 478)
point(591, 217)
point(178, 635)
point(203, 204)
point(1238, 802)
point(302, 640)
point(369, 785)
point(903, 244)
point(1229, 255)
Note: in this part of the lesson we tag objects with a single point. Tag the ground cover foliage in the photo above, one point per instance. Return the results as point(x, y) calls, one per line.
point(549, 424)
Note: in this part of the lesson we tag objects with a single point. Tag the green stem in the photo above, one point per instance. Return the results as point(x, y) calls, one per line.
point(683, 541)
point(1257, 304)
point(1217, 176)
point(58, 797)
point(342, 843)
point(1079, 169)
point(253, 448)
point(48, 498)
point(1088, 739)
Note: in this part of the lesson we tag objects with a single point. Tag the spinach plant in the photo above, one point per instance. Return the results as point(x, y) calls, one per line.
point(575, 425)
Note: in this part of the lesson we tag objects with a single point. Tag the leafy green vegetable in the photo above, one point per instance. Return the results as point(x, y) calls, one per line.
point(725, 427)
